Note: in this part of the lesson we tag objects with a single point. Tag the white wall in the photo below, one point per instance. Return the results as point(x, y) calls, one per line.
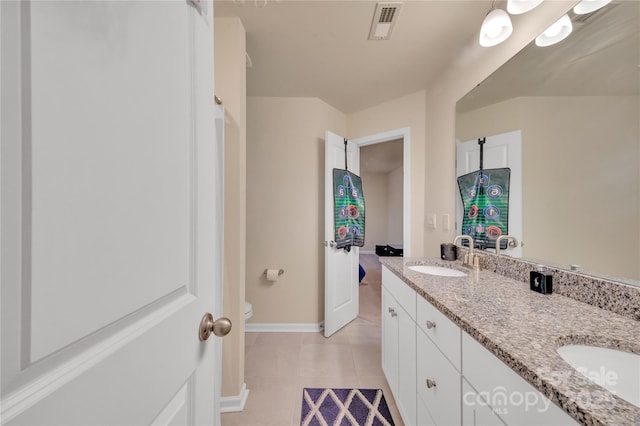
point(394, 206)
point(376, 197)
point(581, 176)
point(383, 198)
point(285, 206)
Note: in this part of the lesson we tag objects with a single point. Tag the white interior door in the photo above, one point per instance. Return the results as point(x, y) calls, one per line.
point(111, 213)
point(504, 150)
point(341, 298)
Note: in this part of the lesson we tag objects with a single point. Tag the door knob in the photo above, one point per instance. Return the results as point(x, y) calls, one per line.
point(220, 327)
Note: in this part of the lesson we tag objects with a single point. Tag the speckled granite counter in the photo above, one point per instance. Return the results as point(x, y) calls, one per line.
point(523, 329)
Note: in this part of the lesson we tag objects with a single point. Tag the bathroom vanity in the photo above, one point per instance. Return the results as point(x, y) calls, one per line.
point(482, 349)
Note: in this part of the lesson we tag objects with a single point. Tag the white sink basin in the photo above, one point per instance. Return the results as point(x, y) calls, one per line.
point(437, 270)
point(616, 371)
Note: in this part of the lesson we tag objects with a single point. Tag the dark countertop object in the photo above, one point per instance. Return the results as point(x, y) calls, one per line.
point(524, 328)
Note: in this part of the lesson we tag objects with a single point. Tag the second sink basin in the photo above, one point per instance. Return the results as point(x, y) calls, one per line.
point(437, 270)
point(614, 370)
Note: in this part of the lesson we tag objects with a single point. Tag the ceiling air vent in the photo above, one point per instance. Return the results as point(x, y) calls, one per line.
point(384, 19)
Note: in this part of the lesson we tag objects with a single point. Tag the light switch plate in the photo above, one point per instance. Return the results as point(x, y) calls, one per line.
point(445, 222)
point(431, 220)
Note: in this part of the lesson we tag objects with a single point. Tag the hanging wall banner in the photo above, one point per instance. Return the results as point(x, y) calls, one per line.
point(348, 209)
point(485, 198)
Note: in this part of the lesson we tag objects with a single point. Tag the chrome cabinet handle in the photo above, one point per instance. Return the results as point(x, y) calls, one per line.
point(220, 327)
point(431, 383)
point(431, 324)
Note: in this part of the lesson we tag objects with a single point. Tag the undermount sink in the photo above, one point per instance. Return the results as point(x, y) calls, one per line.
point(437, 270)
point(614, 370)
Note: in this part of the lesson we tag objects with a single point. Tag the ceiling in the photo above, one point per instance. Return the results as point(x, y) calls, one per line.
point(320, 48)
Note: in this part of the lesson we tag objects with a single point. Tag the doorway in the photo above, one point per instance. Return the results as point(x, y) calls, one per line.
point(382, 168)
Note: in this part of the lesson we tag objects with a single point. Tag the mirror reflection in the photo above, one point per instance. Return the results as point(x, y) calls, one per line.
point(576, 107)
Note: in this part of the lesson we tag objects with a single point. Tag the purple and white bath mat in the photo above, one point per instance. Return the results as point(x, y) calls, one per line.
point(344, 407)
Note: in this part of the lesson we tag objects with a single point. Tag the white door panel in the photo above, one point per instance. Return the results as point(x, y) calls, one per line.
point(139, 252)
point(111, 213)
point(504, 150)
point(341, 303)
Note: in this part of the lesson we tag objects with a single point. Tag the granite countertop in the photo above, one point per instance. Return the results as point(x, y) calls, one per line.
point(524, 328)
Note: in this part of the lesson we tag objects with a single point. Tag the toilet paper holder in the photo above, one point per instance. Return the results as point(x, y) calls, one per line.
point(280, 272)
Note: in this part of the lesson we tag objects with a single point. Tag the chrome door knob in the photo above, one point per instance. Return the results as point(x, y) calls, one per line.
point(220, 327)
point(431, 383)
point(431, 324)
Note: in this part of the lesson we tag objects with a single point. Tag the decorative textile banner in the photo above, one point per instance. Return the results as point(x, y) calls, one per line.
point(485, 198)
point(348, 209)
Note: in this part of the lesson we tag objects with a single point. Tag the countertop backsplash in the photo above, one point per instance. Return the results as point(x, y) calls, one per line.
point(614, 296)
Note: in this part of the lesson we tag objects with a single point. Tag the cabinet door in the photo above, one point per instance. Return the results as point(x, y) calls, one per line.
point(515, 400)
point(475, 410)
point(390, 340)
point(424, 418)
point(438, 383)
point(406, 400)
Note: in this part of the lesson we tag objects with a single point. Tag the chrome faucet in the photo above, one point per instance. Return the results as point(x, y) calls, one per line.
point(471, 260)
point(512, 242)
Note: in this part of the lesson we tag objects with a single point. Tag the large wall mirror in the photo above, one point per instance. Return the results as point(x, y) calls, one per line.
point(577, 106)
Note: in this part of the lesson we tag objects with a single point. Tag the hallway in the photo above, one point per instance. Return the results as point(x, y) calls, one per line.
point(279, 365)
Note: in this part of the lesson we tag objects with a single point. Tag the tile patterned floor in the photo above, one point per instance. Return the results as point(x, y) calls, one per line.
point(279, 365)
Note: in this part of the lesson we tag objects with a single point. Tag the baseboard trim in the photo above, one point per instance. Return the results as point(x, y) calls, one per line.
point(234, 404)
point(284, 328)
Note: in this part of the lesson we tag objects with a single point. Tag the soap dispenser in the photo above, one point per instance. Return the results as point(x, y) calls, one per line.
point(540, 280)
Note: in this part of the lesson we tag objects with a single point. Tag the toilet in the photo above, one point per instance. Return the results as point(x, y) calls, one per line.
point(248, 311)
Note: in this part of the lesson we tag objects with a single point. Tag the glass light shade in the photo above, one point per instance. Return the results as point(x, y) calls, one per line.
point(496, 28)
point(516, 7)
point(557, 32)
point(588, 6)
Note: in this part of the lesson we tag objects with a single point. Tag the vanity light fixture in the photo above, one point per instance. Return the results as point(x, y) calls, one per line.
point(588, 6)
point(557, 32)
point(516, 7)
point(496, 28)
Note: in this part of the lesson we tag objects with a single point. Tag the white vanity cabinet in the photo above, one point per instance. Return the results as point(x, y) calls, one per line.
point(439, 375)
point(503, 391)
point(399, 343)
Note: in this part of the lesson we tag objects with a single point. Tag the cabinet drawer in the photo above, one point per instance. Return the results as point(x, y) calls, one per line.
point(441, 330)
point(508, 395)
point(438, 383)
point(405, 295)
